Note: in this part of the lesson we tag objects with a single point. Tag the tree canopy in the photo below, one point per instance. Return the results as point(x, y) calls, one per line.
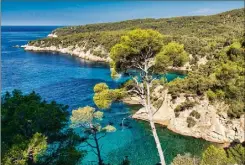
point(30, 128)
point(87, 119)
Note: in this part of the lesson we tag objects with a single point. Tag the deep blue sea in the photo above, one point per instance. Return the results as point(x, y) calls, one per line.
point(70, 80)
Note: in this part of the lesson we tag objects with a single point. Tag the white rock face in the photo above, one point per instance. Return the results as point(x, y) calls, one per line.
point(213, 125)
point(72, 50)
point(52, 35)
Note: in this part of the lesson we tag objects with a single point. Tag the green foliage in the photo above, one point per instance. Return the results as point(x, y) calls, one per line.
point(162, 62)
point(129, 84)
point(195, 114)
point(185, 159)
point(214, 155)
point(29, 132)
point(211, 95)
point(85, 115)
point(220, 94)
point(176, 53)
point(103, 100)
point(185, 105)
point(221, 78)
point(37, 146)
point(236, 109)
point(104, 96)
point(193, 83)
point(201, 35)
point(225, 25)
point(237, 153)
point(87, 41)
point(100, 87)
point(88, 121)
point(137, 46)
point(15, 155)
point(190, 122)
point(88, 118)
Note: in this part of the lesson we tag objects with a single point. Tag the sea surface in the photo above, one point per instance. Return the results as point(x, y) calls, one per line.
point(70, 80)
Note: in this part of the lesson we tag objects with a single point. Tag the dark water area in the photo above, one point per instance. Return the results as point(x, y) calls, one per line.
point(70, 80)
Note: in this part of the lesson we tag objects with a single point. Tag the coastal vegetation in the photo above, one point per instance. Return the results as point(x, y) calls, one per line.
point(213, 155)
point(201, 35)
point(33, 132)
point(199, 26)
point(87, 120)
point(141, 54)
point(220, 79)
point(30, 136)
point(209, 49)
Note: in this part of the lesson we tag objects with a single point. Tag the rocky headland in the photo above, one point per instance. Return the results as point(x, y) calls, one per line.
point(71, 50)
point(93, 42)
point(213, 124)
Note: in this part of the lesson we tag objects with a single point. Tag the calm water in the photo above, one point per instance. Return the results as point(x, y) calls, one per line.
point(70, 81)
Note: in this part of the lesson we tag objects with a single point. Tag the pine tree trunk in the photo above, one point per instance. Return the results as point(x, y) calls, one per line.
point(153, 128)
point(98, 150)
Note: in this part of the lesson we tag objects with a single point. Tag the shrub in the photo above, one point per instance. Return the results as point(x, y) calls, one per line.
point(211, 95)
point(185, 105)
point(100, 87)
point(237, 153)
point(220, 93)
point(178, 108)
point(129, 84)
point(236, 109)
point(97, 53)
point(185, 159)
point(195, 114)
point(214, 155)
point(190, 122)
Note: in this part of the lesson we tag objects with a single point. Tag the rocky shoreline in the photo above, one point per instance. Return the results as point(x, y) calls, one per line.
point(72, 50)
point(213, 125)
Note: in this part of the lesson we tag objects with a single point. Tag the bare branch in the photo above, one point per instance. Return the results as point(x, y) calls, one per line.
point(102, 136)
point(137, 82)
point(90, 144)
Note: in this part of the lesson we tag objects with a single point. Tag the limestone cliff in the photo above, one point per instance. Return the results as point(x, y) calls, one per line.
point(74, 50)
point(213, 125)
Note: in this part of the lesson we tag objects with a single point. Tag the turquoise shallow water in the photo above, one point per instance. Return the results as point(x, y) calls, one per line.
point(70, 80)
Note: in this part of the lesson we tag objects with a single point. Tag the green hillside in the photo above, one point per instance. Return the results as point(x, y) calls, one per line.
point(199, 34)
point(202, 26)
point(219, 38)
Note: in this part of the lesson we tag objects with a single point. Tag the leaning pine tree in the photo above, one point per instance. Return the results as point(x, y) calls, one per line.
point(141, 55)
point(88, 120)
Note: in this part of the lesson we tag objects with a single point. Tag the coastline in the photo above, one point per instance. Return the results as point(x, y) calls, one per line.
point(165, 116)
point(213, 126)
point(78, 52)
